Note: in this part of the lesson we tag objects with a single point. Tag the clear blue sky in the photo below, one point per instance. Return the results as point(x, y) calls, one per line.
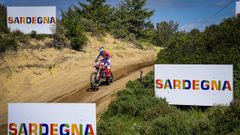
point(188, 13)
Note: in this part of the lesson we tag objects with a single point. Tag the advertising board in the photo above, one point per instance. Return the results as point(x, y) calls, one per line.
point(203, 85)
point(51, 119)
point(41, 19)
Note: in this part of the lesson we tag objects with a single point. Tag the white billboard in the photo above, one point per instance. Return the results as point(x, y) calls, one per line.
point(51, 119)
point(26, 19)
point(202, 85)
point(238, 8)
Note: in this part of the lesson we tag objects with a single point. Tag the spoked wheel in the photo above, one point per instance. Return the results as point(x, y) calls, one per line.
point(95, 81)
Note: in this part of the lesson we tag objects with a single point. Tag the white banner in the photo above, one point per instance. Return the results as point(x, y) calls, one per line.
point(203, 85)
point(51, 119)
point(26, 19)
point(238, 8)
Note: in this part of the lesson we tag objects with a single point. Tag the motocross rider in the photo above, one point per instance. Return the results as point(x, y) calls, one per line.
point(105, 54)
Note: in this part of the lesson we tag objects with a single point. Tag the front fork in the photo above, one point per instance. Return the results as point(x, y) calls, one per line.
point(98, 76)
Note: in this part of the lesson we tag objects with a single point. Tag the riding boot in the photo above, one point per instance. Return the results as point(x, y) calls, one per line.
point(108, 73)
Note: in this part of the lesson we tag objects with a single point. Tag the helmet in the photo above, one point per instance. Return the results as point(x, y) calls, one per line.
point(107, 53)
point(101, 49)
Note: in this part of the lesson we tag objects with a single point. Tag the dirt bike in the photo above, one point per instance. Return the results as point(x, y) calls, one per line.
point(99, 76)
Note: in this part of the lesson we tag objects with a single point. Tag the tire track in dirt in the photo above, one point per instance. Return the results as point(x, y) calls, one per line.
point(104, 95)
point(108, 93)
point(81, 94)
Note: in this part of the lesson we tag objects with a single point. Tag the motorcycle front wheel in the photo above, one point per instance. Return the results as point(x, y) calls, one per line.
point(94, 79)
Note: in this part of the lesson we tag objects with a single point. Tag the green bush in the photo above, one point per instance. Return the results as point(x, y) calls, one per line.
point(182, 123)
point(43, 36)
point(17, 33)
point(60, 40)
point(33, 34)
point(218, 44)
point(74, 31)
point(3, 19)
point(119, 33)
point(164, 31)
point(7, 43)
point(95, 16)
point(19, 36)
point(78, 41)
point(121, 124)
point(226, 120)
point(136, 112)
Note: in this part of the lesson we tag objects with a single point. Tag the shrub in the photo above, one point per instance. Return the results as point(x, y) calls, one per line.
point(17, 33)
point(42, 36)
point(121, 124)
point(218, 44)
point(226, 120)
point(182, 123)
point(137, 111)
point(7, 43)
point(60, 41)
point(33, 34)
point(119, 33)
point(78, 42)
point(3, 19)
point(74, 30)
point(163, 32)
point(19, 36)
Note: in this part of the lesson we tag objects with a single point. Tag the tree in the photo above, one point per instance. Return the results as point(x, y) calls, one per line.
point(96, 15)
point(195, 31)
point(3, 19)
point(92, 16)
point(74, 30)
point(164, 31)
point(218, 44)
point(132, 17)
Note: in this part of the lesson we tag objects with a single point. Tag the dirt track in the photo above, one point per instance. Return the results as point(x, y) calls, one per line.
point(50, 75)
point(104, 95)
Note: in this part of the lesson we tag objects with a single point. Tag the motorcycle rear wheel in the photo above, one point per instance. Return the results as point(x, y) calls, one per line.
point(110, 80)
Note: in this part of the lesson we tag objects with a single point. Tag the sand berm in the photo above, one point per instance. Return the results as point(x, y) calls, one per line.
point(43, 74)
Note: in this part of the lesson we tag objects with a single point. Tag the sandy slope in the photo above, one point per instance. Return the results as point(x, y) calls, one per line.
point(50, 75)
point(102, 97)
point(105, 94)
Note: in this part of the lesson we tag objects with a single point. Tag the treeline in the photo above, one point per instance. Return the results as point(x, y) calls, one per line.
point(218, 44)
point(129, 20)
point(137, 112)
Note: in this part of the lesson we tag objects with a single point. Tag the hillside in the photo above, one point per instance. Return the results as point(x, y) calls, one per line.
point(43, 74)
